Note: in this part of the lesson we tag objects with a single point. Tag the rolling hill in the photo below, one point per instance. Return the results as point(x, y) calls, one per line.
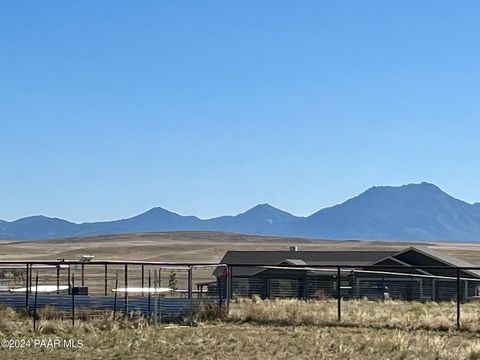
point(414, 212)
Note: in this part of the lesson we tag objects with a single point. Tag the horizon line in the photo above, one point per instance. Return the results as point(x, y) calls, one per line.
point(231, 215)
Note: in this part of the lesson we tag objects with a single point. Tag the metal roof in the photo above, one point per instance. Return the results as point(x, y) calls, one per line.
point(330, 257)
point(326, 257)
point(442, 257)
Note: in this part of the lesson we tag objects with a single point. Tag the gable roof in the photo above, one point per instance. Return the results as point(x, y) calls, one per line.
point(442, 257)
point(332, 257)
point(326, 257)
point(396, 262)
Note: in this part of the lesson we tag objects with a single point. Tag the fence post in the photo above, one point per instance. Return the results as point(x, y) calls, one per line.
point(269, 287)
point(305, 285)
point(126, 290)
point(159, 298)
point(149, 295)
point(115, 297)
point(143, 278)
point(155, 294)
point(458, 297)
point(354, 286)
point(73, 300)
point(190, 298)
point(106, 279)
point(227, 276)
point(35, 304)
point(339, 299)
point(83, 274)
point(27, 282)
point(230, 295)
point(219, 289)
point(58, 279)
point(68, 276)
point(31, 277)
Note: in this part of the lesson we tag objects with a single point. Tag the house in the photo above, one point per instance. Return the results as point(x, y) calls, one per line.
point(408, 274)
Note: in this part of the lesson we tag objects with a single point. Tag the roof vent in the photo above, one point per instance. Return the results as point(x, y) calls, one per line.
point(293, 248)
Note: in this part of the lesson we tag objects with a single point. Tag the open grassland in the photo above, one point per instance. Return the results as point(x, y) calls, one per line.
point(186, 246)
point(389, 314)
point(254, 329)
point(197, 246)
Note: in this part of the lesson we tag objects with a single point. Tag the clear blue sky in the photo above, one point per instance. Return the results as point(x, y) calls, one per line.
point(108, 108)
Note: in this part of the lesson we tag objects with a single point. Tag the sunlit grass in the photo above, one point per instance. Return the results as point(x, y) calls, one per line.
point(382, 314)
point(256, 329)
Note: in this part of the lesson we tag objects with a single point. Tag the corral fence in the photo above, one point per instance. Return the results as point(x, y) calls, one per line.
point(342, 288)
point(161, 292)
point(183, 292)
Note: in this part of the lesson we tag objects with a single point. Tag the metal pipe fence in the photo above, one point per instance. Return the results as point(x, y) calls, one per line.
point(164, 292)
point(177, 291)
point(447, 285)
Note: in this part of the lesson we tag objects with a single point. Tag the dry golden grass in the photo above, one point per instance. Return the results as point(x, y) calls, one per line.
point(357, 313)
point(284, 329)
point(197, 246)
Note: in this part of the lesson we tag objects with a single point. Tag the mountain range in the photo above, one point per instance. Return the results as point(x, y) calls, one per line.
point(414, 212)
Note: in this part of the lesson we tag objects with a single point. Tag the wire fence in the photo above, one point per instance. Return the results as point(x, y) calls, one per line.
point(158, 291)
point(164, 292)
point(342, 287)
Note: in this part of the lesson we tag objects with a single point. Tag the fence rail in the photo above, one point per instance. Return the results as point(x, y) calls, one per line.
point(350, 282)
point(157, 290)
point(164, 291)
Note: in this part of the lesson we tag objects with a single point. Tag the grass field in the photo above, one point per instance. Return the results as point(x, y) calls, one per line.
point(183, 247)
point(197, 247)
point(287, 329)
point(254, 329)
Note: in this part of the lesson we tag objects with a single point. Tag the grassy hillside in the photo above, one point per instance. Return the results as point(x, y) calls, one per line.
point(195, 246)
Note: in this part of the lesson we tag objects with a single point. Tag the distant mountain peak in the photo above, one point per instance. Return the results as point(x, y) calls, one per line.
point(262, 217)
point(412, 190)
point(41, 218)
point(422, 185)
point(157, 213)
point(408, 212)
point(266, 209)
point(157, 209)
point(264, 206)
point(419, 211)
point(425, 183)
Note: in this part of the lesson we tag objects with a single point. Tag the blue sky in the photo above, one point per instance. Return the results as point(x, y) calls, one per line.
point(208, 108)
